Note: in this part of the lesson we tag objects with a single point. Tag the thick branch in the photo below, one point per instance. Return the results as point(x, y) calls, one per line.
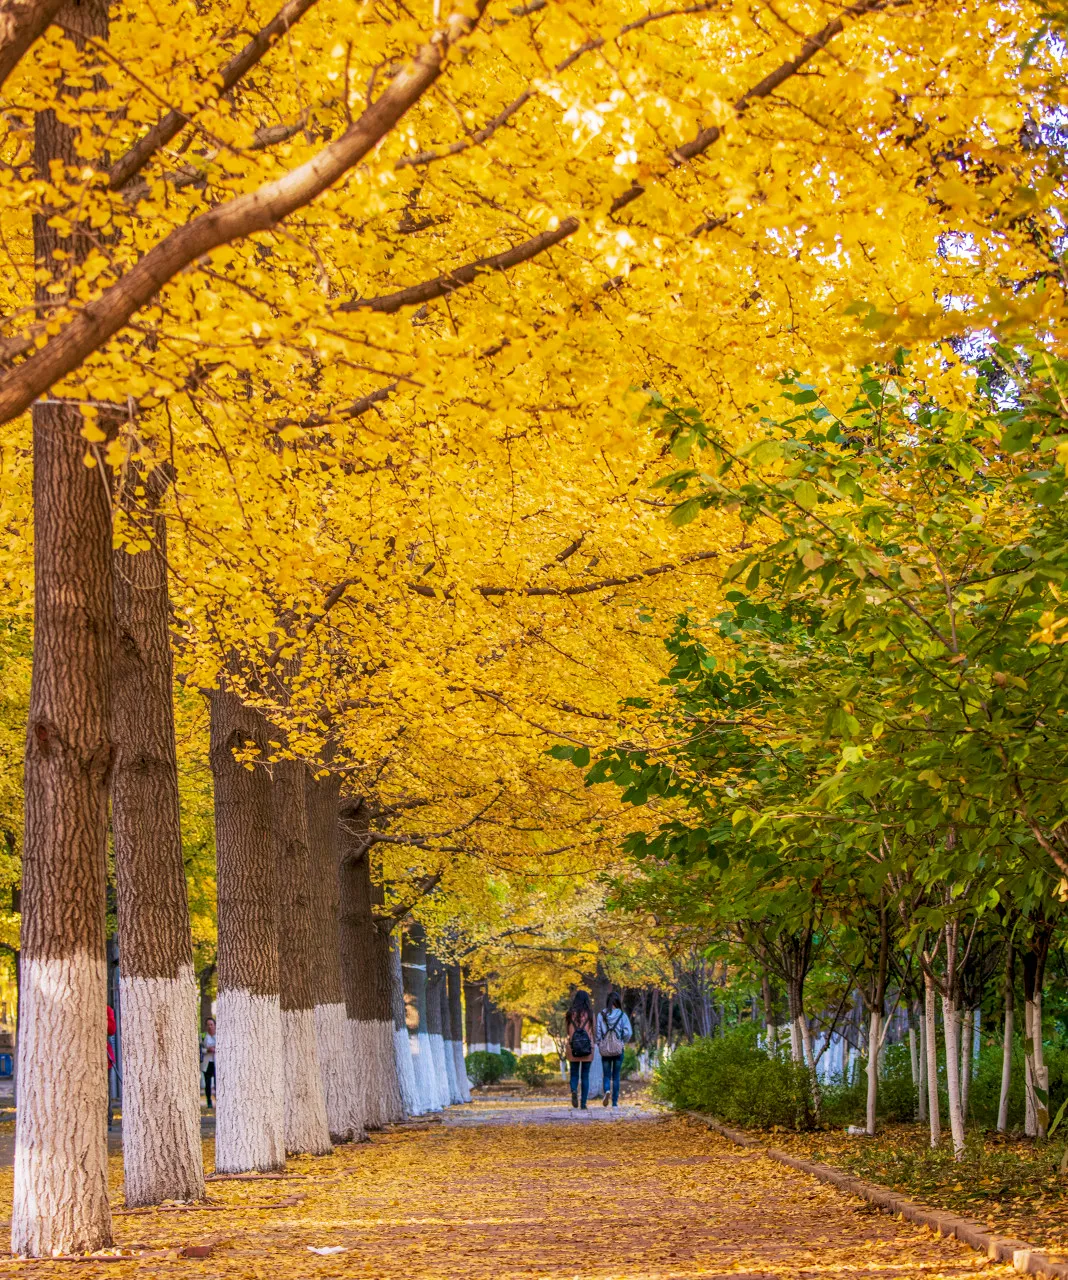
point(21, 23)
point(257, 210)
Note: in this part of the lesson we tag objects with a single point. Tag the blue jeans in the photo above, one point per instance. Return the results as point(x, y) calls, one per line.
point(585, 1079)
point(612, 1069)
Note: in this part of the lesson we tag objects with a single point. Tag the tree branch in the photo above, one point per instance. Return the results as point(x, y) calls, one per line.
point(22, 22)
point(258, 210)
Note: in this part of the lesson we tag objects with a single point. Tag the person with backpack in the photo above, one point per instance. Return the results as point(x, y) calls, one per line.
point(580, 1030)
point(613, 1032)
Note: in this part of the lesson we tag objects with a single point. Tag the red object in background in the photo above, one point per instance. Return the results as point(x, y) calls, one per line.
point(111, 1031)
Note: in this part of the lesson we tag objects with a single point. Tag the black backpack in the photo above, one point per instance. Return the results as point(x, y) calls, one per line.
point(581, 1044)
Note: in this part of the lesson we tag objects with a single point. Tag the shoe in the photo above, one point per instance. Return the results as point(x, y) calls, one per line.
point(606, 1100)
point(615, 1104)
point(583, 1106)
point(574, 1098)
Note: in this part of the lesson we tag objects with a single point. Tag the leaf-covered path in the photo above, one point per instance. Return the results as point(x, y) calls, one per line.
point(532, 1193)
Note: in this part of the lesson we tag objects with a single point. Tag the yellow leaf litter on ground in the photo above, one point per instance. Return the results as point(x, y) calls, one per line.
point(519, 1190)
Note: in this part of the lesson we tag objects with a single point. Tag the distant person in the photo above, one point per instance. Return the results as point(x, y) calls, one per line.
point(580, 1031)
point(613, 1032)
point(112, 1031)
point(207, 1059)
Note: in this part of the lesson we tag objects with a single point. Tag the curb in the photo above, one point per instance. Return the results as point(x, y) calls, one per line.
point(1024, 1258)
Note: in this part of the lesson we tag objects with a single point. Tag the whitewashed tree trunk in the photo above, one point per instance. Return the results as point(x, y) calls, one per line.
point(402, 1052)
point(250, 1115)
point(874, 1040)
point(966, 1044)
point(365, 967)
point(161, 1145)
point(413, 967)
point(951, 1031)
point(914, 1056)
point(797, 1053)
point(306, 1127)
point(455, 1042)
point(1030, 1099)
point(931, 1035)
point(921, 1064)
point(435, 981)
point(447, 1038)
point(159, 997)
point(1039, 1070)
point(1006, 1069)
point(336, 1067)
point(61, 1180)
point(249, 1063)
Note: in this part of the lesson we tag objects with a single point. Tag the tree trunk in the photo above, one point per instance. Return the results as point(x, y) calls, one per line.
point(454, 980)
point(306, 1127)
point(771, 1031)
point(61, 1195)
point(921, 1063)
point(161, 1145)
point(204, 979)
point(447, 1037)
point(413, 964)
point(931, 1035)
point(435, 981)
point(874, 1035)
point(476, 1006)
point(366, 977)
point(402, 1050)
point(951, 1032)
point(337, 1071)
point(966, 1045)
point(1006, 1048)
point(250, 1116)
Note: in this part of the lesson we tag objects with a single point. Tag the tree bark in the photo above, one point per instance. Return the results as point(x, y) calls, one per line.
point(366, 978)
point(402, 1051)
point(337, 1070)
point(161, 1145)
point(413, 965)
point(951, 1033)
point(250, 1114)
point(454, 980)
point(61, 1195)
point(967, 1040)
point(931, 1033)
point(875, 1027)
point(435, 985)
point(306, 1127)
point(475, 1004)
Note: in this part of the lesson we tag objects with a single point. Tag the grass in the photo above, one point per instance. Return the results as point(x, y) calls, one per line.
point(1011, 1185)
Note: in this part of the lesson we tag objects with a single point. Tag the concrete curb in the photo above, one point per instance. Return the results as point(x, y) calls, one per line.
point(1024, 1258)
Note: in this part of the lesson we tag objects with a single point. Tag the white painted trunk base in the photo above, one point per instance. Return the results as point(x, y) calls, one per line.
point(161, 1151)
point(464, 1084)
point(459, 1071)
point(402, 1056)
point(337, 1073)
point(61, 1154)
point(450, 1070)
point(425, 1083)
point(441, 1071)
point(376, 1073)
point(249, 1112)
point(480, 1047)
point(305, 1108)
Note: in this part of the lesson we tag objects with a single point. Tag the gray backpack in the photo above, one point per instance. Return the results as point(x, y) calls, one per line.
point(611, 1043)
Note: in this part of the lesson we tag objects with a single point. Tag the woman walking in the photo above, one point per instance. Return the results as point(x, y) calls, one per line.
point(580, 1031)
point(207, 1059)
point(613, 1032)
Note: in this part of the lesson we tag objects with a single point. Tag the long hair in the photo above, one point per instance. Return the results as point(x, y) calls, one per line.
point(580, 1004)
point(614, 1001)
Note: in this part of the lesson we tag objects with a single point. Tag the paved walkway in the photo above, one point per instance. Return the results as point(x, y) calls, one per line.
point(525, 1191)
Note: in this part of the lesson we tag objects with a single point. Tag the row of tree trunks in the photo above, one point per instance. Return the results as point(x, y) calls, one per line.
point(402, 1053)
point(435, 988)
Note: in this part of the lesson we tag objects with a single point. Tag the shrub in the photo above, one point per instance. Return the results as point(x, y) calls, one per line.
point(733, 1078)
point(510, 1061)
point(485, 1068)
point(630, 1063)
point(531, 1069)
